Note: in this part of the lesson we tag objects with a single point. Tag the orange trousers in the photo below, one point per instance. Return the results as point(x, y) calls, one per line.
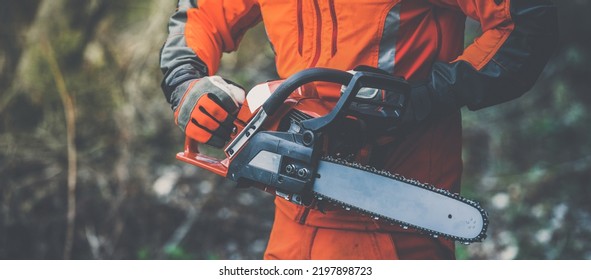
point(291, 240)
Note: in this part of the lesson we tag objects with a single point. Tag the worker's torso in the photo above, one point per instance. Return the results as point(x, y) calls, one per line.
point(401, 37)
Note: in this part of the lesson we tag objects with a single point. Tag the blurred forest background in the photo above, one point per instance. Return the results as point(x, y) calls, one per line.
point(87, 145)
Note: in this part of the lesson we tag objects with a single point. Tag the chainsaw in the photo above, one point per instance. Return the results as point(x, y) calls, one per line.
point(282, 145)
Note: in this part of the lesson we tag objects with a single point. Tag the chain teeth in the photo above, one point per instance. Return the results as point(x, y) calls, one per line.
point(435, 234)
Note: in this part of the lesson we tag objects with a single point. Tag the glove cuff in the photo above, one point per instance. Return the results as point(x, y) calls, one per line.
point(176, 77)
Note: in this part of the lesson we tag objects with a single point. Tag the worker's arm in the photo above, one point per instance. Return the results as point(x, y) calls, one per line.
point(518, 37)
point(204, 105)
point(197, 37)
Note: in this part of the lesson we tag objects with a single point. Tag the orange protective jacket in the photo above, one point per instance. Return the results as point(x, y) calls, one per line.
point(420, 40)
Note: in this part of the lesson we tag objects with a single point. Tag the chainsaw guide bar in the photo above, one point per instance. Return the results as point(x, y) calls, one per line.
point(475, 225)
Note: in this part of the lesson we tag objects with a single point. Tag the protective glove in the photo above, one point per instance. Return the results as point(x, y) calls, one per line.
point(389, 111)
point(207, 109)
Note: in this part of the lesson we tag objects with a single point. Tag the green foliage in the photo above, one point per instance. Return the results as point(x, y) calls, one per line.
point(177, 253)
point(144, 254)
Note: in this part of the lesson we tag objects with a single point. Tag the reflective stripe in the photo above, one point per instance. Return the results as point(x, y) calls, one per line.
point(185, 110)
point(388, 42)
point(178, 61)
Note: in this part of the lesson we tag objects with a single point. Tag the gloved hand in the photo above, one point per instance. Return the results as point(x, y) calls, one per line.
point(419, 107)
point(388, 111)
point(207, 109)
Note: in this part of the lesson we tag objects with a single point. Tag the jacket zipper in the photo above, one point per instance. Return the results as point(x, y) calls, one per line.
point(300, 27)
point(335, 28)
point(318, 34)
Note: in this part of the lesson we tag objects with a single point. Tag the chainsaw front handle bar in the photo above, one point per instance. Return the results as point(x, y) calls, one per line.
point(354, 83)
point(301, 78)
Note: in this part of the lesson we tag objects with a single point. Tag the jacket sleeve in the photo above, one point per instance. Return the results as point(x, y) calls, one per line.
point(518, 37)
point(197, 37)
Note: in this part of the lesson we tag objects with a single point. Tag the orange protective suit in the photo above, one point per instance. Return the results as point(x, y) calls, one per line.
point(420, 40)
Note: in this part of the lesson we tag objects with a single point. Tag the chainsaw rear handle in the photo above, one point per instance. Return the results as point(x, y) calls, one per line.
point(354, 83)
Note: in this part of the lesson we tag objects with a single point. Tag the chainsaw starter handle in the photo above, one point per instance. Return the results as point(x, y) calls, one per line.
point(301, 78)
